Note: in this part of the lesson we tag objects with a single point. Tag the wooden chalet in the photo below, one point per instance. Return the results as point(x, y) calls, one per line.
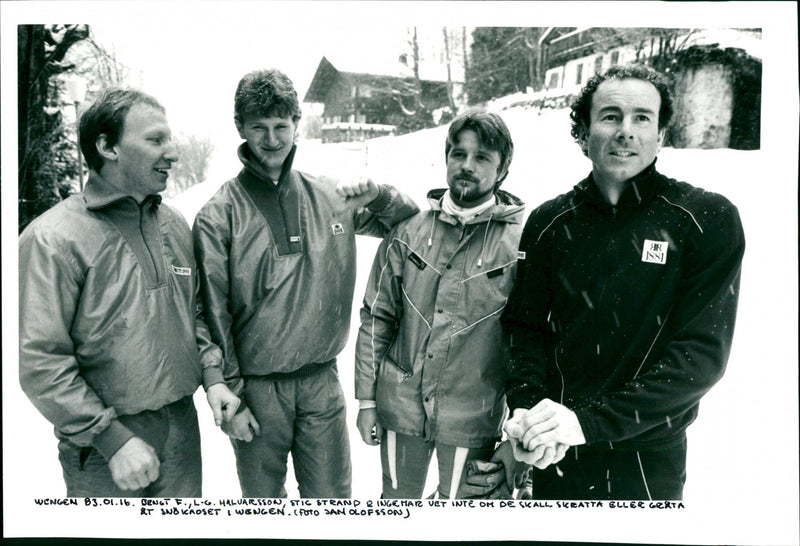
point(359, 104)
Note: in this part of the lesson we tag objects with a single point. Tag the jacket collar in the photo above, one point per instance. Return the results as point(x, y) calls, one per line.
point(641, 189)
point(99, 194)
point(508, 208)
point(255, 171)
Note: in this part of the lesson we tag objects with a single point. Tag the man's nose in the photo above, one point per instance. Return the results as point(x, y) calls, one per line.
point(624, 130)
point(270, 138)
point(171, 154)
point(468, 164)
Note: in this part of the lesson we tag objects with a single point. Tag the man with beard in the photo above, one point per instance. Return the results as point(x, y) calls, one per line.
point(430, 360)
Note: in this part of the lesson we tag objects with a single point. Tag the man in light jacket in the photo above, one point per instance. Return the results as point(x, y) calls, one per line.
point(430, 361)
point(277, 254)
point(112, 344)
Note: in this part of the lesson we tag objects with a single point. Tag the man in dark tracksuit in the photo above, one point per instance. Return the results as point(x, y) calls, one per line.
point(112, 345)
point(623, 311)
point(277, 255)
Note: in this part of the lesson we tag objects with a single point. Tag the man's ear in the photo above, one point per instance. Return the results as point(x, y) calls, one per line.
point(106, 151)
point(662, 133)
point(583, 140)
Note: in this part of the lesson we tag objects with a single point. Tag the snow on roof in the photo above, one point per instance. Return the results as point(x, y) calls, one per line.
point(749, 41)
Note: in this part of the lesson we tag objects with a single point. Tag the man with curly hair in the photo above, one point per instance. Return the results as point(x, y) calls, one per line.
point(623, 312)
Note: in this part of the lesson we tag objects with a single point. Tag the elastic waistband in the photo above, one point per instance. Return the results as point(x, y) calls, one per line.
point(301, 373)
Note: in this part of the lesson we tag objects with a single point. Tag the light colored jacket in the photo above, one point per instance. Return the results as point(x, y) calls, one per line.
point(429, 349)
point(272, 313)
point(109, 317)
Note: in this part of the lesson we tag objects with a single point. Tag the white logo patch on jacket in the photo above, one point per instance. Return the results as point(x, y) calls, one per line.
point(337, 229)
point(655, 252)
point(181, 270)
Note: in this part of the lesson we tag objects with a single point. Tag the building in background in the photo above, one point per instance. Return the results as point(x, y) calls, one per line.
point(715, 75)
point(361, 103)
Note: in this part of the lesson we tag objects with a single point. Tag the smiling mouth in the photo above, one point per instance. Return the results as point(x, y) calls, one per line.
point(623, 154)
point(163, 171)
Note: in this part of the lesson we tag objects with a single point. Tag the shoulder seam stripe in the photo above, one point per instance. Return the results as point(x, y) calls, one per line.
point(559, 215)
point(684, 209)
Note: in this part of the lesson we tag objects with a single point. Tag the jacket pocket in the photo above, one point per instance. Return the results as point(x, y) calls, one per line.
point(394, 372)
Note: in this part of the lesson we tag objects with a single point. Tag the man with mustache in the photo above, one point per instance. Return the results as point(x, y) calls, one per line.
point(430, 360)
point(112, 344)
point(277, 254)
point(623, 312)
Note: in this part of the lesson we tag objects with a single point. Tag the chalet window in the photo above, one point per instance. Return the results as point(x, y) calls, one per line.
point(578, 74)
point(615, 58)
point(553, 81)
point(598, 64)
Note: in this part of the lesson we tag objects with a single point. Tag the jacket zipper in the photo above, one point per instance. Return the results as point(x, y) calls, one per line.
point(601, 295)
point(147, 245)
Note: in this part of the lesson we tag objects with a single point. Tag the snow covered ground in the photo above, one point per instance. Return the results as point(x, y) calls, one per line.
point(743, 448)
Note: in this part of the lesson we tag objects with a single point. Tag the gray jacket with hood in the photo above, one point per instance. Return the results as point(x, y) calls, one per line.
point(429, 349)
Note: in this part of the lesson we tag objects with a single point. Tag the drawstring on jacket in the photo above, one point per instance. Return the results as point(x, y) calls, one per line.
point(433, 227)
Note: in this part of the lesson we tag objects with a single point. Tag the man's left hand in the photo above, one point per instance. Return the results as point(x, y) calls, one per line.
point(223, 402)
point(516, 470)
point(548, 422)
point(357, 193)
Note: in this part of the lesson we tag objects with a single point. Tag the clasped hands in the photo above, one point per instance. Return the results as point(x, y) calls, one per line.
point(540, 436)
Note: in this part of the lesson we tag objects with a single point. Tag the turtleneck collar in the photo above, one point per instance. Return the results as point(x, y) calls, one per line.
point(98, 193)
point(640, 189)
point(254, 168)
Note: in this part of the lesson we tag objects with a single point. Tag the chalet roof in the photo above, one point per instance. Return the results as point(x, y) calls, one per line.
point(327, 73)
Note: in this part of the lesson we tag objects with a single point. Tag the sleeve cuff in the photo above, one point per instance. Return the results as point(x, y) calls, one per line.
point(383, 199)
point(212, 375)
point(112, 438)
point(367, 404)
point(590, 432)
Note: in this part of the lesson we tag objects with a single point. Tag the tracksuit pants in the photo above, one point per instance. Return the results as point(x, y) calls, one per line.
point(304, 417)
point(172, 431)
point(405, 460)
point(590, 473)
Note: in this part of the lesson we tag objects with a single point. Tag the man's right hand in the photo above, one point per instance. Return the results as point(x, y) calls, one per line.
point(135, 465)
point(243, 426)
point(368, 426)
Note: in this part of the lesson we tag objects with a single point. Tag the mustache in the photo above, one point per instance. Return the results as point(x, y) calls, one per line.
point(467, 177)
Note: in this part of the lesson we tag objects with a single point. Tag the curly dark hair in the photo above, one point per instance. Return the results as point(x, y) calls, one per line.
point(581, 108)
point(266, 93)
point(106, 116)
point(492, 132)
